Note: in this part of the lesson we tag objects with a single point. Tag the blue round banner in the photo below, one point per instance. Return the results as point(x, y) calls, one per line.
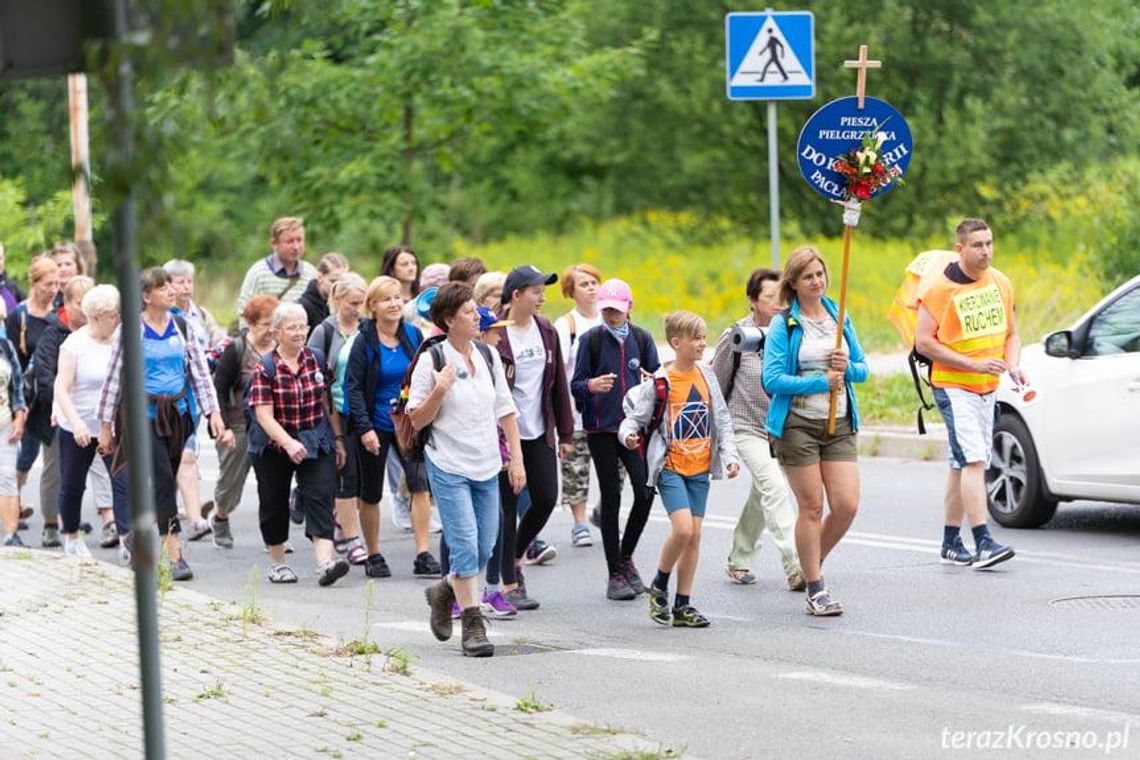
point(838, 127)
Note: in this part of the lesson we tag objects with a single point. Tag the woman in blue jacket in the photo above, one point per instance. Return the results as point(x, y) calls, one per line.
point(379, 358)
point(614, 357)
point(801, 368)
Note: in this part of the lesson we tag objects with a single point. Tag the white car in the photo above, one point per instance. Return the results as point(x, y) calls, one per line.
point(1074, 432)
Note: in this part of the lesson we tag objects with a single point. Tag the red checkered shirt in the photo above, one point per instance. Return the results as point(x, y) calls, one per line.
point(297, 398)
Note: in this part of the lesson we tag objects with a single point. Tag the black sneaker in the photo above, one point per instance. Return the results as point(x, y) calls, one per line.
point(689, 617)
point(440, 597)
point(659, 606)
point(377, 567)
point(426, 566)
point(632, 577)
point(596, 517)
point(619, 589)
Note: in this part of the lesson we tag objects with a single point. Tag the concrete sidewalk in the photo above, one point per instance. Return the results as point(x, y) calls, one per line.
point(236, 686)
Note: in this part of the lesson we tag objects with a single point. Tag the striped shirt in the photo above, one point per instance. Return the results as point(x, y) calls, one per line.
point(268, 276)
point(112, 391)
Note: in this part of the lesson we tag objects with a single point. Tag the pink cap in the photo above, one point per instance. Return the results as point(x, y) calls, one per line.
point(615, 294)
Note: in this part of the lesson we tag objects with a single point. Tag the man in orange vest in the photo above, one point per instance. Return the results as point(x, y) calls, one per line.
point(966, 327)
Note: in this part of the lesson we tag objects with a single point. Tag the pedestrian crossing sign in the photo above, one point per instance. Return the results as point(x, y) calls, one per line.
point(770, 55)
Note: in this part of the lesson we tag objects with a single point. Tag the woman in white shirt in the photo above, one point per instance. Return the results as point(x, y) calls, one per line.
point(465, 402)
point(83, 360)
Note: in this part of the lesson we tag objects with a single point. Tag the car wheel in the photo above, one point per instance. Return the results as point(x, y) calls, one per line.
point(1014, 487)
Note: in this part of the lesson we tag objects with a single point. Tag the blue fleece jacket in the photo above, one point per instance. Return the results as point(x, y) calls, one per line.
point(602, 412)
point(782, 362)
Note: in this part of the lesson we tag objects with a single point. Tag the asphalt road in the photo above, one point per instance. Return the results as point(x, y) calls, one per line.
point(924, 654)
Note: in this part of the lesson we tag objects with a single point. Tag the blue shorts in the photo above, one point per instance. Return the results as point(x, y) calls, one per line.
point(689, 492)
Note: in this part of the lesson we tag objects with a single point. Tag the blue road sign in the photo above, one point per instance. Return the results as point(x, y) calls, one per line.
point(837, 128)
point(770, 56)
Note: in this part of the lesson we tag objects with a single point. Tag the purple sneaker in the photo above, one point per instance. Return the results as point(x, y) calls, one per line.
point(456, 613)
point(497, 606)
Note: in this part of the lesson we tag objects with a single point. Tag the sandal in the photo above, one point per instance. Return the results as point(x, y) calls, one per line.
point(282, 574)
point(740, 575)
point(357, 554)
point(342, 545)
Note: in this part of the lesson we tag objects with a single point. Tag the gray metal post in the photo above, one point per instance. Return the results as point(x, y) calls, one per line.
point(773, 186)
point(134, 397)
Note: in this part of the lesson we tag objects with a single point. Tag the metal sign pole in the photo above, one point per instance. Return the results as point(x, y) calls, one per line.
point(134, 396)
point(773, 186)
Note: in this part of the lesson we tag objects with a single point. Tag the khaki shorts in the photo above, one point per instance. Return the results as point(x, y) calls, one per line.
point(806, 442)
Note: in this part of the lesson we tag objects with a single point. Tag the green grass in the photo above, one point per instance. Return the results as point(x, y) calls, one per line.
point(670, 263)
point(532, 704)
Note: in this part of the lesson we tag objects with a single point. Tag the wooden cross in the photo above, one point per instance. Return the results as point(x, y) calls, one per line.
point(862, 64)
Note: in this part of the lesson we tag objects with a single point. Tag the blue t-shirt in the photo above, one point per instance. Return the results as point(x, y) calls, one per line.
point(393, 366)
point(165, 361)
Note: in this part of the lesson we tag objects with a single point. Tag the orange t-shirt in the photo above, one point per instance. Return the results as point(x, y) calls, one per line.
point(974, 320)
point(690, 452)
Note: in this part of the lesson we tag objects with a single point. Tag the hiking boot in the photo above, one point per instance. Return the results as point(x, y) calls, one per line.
point(109, 535)
point(377, 567)
point(955, 553)
point(518, 597)
point(990, 553)
point(207, 508)
point(426, 566)
point(440, 597)
point(629, 570)
point(223, 536)
point(659, 606)
point(50, 538)
point(475, 642)
point(26, 512)
point(689, 617)
point(821, 604)
point(619, 589)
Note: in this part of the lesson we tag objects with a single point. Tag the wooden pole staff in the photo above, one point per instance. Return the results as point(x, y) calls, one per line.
point(81, 168)
point(861, 64)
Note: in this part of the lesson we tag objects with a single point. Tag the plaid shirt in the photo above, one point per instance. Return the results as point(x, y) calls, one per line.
point(200, 379)
point(297, 398)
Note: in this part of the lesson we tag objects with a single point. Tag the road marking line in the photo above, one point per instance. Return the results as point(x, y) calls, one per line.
point(1052, 708)
point(629, 654)
point(841, 679)
point(923, 546)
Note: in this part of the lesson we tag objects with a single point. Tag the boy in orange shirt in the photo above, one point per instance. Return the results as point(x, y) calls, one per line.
point(691, 440)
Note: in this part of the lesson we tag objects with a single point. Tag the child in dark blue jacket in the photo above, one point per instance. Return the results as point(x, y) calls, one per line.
point(612, 358)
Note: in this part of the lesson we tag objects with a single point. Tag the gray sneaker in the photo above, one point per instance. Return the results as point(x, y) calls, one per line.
point(51, 537)
point(517, 596)
point(821, 604)
point(619, 589)
point(223, 537)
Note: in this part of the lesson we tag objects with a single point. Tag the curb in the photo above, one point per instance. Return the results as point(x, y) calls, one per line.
point(902, 443)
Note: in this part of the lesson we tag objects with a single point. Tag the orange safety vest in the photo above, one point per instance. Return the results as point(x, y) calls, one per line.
point(973, 320)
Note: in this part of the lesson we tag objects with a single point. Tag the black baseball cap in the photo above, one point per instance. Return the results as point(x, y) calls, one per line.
point(524, 277)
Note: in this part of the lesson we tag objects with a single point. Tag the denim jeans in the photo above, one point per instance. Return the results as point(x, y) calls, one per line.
point(469, 511)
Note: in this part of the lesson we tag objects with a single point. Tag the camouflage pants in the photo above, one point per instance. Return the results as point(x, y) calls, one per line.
point(576, 472)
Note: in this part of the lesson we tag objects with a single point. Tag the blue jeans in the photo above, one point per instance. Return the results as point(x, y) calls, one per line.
point(469, 511)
